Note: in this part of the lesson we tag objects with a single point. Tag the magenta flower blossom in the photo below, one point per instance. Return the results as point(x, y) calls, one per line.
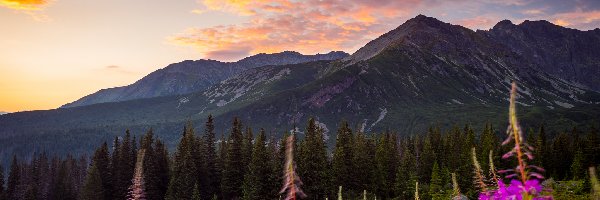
point(524, 181)
point(515, 191)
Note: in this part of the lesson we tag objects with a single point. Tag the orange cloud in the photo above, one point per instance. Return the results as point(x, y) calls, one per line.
point(25, 5)
point(578, 19)
point(479, 22)
point(312, 26)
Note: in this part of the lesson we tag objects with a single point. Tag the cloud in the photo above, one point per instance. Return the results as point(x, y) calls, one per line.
point(578, 19)
point(316, 26)
point(112, 67)
point(312, 26)
point(27, 5)
point(229, 54)
point(479, 22)
point(33, 8)
point(116, 69)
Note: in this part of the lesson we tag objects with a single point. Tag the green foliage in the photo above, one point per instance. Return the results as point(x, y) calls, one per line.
point(435, 185)
point(313, 162)
point(343, 158)
point(183, 177)
point(256, 181)
point(92, 189)
point(233, 168)
point(211, 180)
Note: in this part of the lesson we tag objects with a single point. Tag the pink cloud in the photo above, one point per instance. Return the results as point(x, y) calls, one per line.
point(578, 19)
point(312, 26)
point(479, 22)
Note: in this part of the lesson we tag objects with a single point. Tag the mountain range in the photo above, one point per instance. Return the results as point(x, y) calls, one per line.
point(190, 76)
point(425, 72)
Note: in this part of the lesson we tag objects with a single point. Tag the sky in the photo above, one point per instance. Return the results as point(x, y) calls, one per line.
point(53, 52)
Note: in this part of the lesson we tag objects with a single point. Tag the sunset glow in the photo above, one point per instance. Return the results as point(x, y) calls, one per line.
point(57, 51)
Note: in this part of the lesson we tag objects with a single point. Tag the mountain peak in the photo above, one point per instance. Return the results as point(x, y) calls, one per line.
point(423, 19)
point(504, 24)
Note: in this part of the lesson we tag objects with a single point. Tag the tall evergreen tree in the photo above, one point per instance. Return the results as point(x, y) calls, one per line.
point(155, 165)
point(256, 185)
point(14, 177)
point(101, 161)
point(541, 149)
point(233, 169)
point(92, 189)
point(363, 159)
point(386, 165)
point(435, 185)
point(247, 148)
point(184, 175)
point(405, 173)
point(312, 162)
point(343, 155)
point(2, 193)
point(211, 183)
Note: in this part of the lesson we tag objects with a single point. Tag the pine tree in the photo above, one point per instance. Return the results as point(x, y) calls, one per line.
point(577, 168)
point(161, 157)
point(233, 169)
point(489, 142)
point(101, 160)
point(247, 148)
point(256, 185)
point(114, 166)
point(184, 177)
point(125, 166)
point(196, 193)
point(561, 156)
point(2, 193)
point(386, 165)
point(404, 173)
point(211, 183)
point(312, 162)
point(92, 189)
point(155, 167)
point(364, 157)
point(14, 177)
point(541, 149)
point(343, 155)
point(435, 185)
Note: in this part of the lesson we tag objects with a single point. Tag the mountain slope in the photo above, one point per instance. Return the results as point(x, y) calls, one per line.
point(191, 76)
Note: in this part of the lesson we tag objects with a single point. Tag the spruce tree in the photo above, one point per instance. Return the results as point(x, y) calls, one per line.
point(101, 160)
point(92, 188)
point(256, 182)
point(196, 193)
point(247, 148)
point(154, 168)
point(184, 177)
point(161, 157)
point(577, 168)
point(386, 165)
point(211, 180)
point(342, 163)
point(404, 173)
point(233, 169)
point(541, 149)
point(2, 193)
point(363, 159)
point(14, 181)
point(435, 185)
point(312, 162)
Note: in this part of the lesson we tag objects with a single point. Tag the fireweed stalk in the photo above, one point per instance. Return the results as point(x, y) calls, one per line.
point(291, 181)
point(524, 181)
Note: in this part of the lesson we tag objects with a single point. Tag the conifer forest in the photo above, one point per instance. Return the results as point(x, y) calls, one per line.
point(251, 164)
